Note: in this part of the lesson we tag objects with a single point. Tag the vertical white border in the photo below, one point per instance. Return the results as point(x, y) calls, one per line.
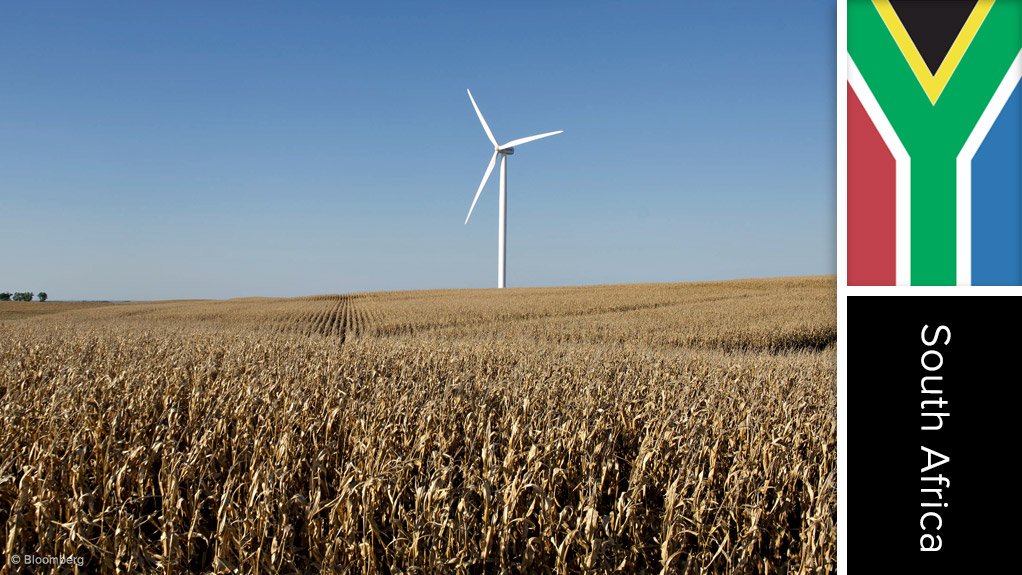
point(842, 276)
point(963, 198)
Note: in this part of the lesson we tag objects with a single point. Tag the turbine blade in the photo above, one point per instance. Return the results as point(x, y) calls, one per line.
point(521, 141)
point(482, 120)
point(482, 184)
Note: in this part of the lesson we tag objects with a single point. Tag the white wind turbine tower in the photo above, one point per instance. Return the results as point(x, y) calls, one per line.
point(503, 151)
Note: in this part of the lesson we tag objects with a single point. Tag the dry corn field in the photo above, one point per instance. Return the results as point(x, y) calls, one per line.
point(661, 428)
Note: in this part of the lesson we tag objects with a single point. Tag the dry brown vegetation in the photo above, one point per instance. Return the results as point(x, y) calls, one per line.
point(23, 309)
point(682, 428)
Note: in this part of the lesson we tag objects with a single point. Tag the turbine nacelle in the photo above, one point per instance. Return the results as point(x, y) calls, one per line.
point(507, 152)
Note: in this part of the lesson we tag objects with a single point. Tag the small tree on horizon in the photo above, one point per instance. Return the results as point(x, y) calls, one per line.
point(42, 296)
point(5, 296)
point(23, 296)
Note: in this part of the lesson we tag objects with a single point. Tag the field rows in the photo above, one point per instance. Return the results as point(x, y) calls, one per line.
point(661, 428)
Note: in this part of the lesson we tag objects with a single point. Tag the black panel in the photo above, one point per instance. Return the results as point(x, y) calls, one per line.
point(886, 413)
point(933, 25)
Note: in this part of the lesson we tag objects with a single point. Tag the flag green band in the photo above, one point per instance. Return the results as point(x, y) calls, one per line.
point(933, 220)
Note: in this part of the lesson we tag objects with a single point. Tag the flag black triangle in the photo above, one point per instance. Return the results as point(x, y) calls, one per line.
point(933, 25)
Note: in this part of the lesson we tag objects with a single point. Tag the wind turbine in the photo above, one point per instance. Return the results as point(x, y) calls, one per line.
point(503, 151)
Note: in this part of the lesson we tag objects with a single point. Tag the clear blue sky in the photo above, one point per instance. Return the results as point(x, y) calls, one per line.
point(179, 150)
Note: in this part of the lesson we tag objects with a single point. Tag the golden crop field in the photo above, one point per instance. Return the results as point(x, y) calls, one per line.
point(661, 428)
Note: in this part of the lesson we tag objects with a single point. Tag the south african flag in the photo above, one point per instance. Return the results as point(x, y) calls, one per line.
point(934, 129)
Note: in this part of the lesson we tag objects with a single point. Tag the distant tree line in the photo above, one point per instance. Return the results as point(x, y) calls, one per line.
point(22, 296)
